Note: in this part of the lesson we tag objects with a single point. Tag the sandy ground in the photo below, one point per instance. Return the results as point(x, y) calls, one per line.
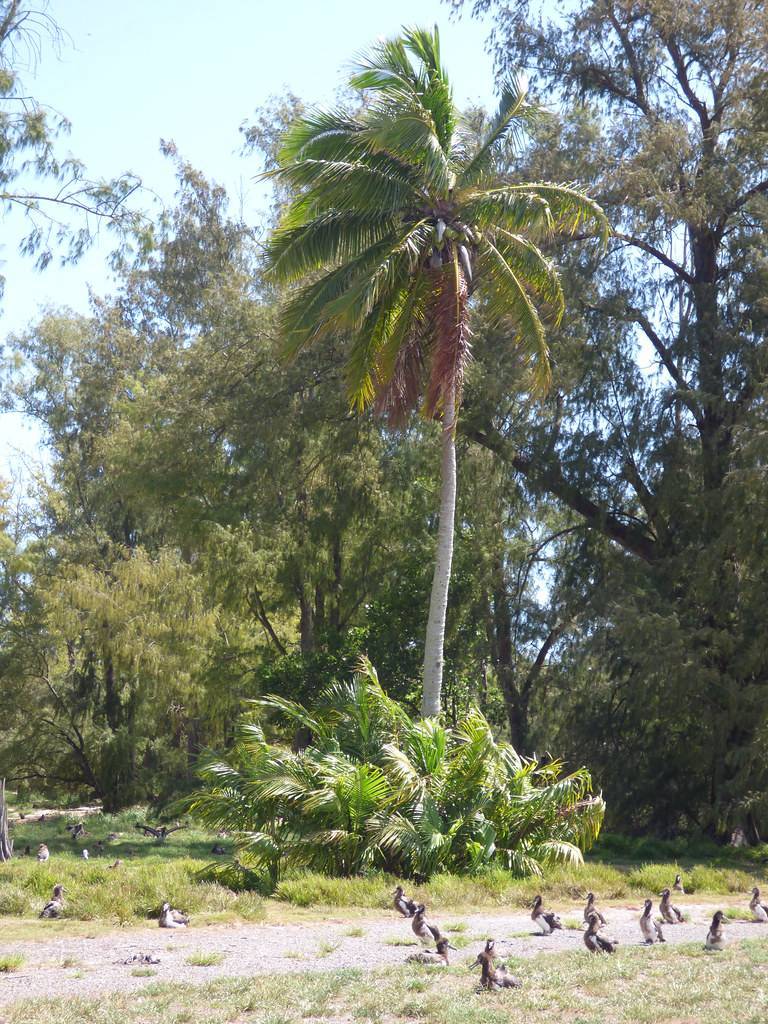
point(90, 966)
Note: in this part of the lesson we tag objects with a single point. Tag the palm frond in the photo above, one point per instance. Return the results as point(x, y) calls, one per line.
point(508, 299)
point(571, 208)
point(514, 114)
point(531, 266)
point(328, 240)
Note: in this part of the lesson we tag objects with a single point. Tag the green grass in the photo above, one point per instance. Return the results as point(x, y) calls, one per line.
point(737, 914)
point(10, 962)
point(179, 871)
point(151, 872)
point(354, 933)
point(636, 986)
point(143, 972)
point(202, 959)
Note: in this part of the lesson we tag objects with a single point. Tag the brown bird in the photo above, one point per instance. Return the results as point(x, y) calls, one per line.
point(43, 853)
point(715, 937)
point(402, 904)
point(428, 933)
point(678, 884)
point(545, 919)
point(590, 908)
point(54, 906)
point(650, 929)
point(668, 911)
point(170, 918)
point(437, 957)
point(759, 910)
point(491, 977)
point(596, 943)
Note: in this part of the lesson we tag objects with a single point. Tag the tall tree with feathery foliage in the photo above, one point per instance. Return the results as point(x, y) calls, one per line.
point(399, 219)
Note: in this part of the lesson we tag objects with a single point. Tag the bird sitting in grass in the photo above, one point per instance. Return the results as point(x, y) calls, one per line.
point(170, 918)
point(669, 912)
point(43, 853)
point(402, 904)
point(437, 957)
point(428, 933)
point(84, 854)
point(651, 930)
point(590, 908)
point(118, 863)
point(759, 910)
point(596, 943)
point(545, 919)
point(715, 937)
point(55, 906)
point(491, 977)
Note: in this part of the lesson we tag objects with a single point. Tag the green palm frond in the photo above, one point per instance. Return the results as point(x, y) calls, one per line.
point(530, 265)
point(507, 298)
point(294, 712)
point(571, 209)
point(513, 115)
point(318, 134)
point(328, 240)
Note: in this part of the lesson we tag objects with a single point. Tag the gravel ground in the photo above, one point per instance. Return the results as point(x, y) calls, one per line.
point(91, 966)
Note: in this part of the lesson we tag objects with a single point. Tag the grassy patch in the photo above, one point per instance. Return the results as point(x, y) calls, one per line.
point(326, 948)
point(143, 972)
point(149, 873)
point(10, 962)
point(354, 933)
point(202, 959)
point(573, 923)
point(737, 914)
point(633, 987)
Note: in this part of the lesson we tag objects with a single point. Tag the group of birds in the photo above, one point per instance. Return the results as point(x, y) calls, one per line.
point(169, 917)
point(497, 977)
point(44, 854)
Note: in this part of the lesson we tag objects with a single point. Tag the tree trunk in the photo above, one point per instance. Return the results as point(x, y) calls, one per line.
point(6, 843)
point(438, 602)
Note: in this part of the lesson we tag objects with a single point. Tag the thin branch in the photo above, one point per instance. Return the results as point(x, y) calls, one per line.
point(632, 537)
point(640, 243)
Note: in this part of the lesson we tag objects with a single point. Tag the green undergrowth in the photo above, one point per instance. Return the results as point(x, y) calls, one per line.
point(641, 986)
point(501, 889)
point(125, 894)
point(612, 848)
point(180, 871)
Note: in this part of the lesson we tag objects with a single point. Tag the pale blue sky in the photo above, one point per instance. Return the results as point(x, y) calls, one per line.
point(193, 71)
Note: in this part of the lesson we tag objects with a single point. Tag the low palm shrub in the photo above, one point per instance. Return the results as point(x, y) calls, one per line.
point(376, 790)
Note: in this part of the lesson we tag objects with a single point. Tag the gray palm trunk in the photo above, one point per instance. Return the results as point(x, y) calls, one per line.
point(6, 843)
point(432, 675)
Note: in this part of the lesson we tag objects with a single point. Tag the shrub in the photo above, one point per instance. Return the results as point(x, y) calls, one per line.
point(378, 790)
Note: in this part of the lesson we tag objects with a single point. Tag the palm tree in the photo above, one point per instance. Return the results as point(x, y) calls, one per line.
point(399, 219)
